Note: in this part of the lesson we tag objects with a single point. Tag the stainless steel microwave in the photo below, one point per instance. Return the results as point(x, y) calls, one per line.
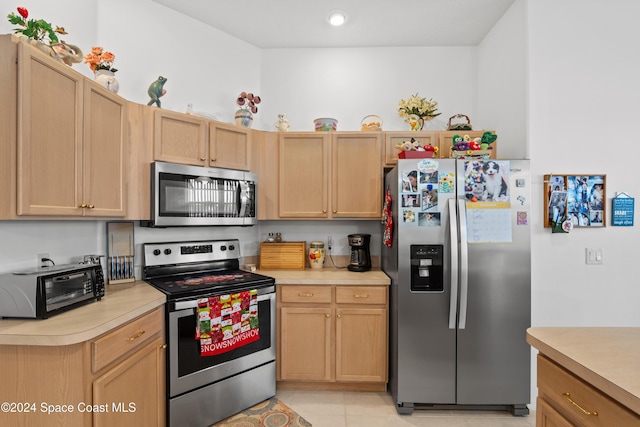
point(46, 291)
point(183, 195)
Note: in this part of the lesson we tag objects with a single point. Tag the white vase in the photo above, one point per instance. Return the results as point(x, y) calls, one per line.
point(107, 79)
point(244, 117)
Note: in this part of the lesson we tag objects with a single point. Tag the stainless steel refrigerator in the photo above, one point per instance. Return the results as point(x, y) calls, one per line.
point(457, 250)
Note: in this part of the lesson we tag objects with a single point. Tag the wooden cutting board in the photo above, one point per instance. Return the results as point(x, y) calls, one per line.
point(283, 256)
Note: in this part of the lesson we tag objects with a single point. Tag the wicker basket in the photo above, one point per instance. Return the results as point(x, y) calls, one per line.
point(466, 125)
point(470, 154)
point(371, 123)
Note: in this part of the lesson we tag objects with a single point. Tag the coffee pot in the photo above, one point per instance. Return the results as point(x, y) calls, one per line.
point(360, 254)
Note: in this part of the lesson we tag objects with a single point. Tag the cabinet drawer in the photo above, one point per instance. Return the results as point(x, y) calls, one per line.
point(111, 346)
point(306, 294)
point(580, 402)
point(361, 294)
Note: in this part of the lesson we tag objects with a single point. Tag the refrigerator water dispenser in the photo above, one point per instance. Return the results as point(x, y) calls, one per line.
point(426, 268)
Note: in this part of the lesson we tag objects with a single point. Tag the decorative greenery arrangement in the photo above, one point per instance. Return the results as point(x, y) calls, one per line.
point(418, 106)
point(248, 101)
point(35, 29)
point(98, 59)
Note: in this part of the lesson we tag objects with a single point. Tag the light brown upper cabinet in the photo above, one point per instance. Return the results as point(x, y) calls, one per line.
point(229, 146)
point(330, 175)
point(446, 140)
point(180, 138)
point(391, 139)
point(71, 140)
point(191, 140)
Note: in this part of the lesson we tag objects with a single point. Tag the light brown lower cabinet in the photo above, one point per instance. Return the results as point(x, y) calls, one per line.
point(332, 337)
point(565, 400)
point(115, 379)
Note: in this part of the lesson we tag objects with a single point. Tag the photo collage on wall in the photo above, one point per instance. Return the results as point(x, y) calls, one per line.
point(420, 190)
point(578, 199)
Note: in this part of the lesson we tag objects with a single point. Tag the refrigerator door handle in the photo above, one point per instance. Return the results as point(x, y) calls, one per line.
point(453, 235)
point(464, 263)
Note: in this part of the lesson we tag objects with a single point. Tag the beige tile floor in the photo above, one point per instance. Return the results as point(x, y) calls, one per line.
point(349, 409)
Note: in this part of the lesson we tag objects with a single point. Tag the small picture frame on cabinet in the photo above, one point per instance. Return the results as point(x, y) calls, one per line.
point(579, 199)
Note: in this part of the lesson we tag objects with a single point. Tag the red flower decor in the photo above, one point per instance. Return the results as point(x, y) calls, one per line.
point(248, 101)
point(35, 29)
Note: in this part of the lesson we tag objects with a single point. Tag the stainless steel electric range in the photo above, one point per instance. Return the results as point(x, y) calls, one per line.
point(204, 388)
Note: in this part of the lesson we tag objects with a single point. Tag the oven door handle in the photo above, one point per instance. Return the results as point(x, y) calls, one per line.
point(183, 305)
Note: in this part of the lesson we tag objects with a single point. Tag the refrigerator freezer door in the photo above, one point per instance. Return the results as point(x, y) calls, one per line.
point(423, 346)
point(493, 356)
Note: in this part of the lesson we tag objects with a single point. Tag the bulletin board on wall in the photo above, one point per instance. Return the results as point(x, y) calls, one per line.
point(577, 198)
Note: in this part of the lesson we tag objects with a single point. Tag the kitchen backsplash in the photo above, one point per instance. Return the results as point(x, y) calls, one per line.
point(68, 241)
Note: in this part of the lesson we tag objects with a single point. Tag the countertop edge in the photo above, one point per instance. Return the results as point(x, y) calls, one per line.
point(29, 331)
point(328, 276)
point(583, 371)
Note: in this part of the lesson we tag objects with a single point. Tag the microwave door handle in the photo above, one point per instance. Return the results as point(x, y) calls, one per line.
point(453, 236)
point(244, 198)
point(226, 198)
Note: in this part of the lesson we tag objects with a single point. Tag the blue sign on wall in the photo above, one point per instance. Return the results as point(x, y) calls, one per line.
point(623, 209)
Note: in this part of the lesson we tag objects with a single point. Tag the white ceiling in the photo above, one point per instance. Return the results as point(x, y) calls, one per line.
point(272, 24)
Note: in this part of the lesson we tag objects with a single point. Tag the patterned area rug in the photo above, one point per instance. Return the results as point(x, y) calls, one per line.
point(270, 413)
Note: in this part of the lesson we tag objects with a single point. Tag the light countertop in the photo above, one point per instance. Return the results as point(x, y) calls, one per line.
point(606, 357)
point(124, 302)
point(328, 276)
point(121, 304)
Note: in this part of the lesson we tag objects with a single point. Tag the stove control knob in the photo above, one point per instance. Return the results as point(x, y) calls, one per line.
point(223, 248)
point(167, 251)
point(232, 247)
point(156, 252)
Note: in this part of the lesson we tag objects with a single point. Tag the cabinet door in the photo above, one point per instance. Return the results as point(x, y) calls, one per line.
point(180, 138)
point(305, 344)
point(304, 175)
point(547, 416)
point(8, 128)
point(391, 140)
point(361, 344)
point(50, 166)
point(263, 162)
point(133, 391)
point(105, 133)
point(356, 175)
point(229, 146)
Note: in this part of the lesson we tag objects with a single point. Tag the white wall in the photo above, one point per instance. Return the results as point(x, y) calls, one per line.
point(583, 109)
point(502, 82)
point(351, 83)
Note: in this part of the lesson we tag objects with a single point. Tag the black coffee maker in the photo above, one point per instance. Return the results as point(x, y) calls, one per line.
point(360, 255)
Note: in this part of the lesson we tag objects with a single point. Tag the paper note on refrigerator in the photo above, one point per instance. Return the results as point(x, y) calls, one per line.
point(488, 223)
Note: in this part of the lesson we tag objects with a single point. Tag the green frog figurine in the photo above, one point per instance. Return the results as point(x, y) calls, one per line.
point(156, 90)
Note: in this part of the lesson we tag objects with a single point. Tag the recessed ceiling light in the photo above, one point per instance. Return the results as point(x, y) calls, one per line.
point(337, 18)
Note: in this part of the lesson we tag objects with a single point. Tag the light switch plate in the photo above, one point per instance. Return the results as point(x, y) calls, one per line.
point(594, 256)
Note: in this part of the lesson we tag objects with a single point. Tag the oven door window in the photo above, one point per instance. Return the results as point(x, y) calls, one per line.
point(190, 360)
point(67, 289)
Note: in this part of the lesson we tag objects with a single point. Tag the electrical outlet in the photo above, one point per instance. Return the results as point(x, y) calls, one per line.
point(39, 262)
point(329, 242)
